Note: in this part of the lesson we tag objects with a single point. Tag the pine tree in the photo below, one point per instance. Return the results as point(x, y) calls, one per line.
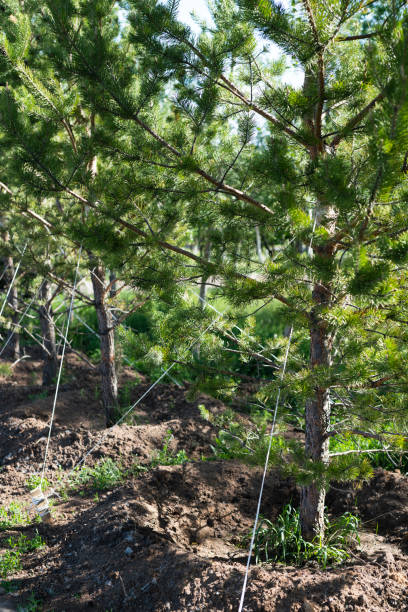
point(320, 170)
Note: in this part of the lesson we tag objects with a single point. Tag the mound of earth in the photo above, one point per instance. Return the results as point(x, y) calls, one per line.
point(170, 538)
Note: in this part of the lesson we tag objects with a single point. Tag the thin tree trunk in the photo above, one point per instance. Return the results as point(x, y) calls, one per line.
point(109, 384)
point(259, 244)
point(13, 301)
point(317, 411)
point(50, 359)
point(317, 421)
point(204, 252)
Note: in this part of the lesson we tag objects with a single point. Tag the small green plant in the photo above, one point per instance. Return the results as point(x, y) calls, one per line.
point(165, 457)
point(138, 468)
point(282, 540)
point(5, 370)
point(34, 480)
point(9, 587)
point(10, 562)
point(31, 605)
point(13, 516)
point(23, 544)
point(39, 395)
point(104, 475)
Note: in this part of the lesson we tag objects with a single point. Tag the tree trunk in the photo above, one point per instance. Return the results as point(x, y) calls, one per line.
point(14, 345)
point(109, 384)
point(259, 244)
point(317, 417)
point(50, 359)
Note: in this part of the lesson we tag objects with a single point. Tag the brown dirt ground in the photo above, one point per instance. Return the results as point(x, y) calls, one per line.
point(167, 540)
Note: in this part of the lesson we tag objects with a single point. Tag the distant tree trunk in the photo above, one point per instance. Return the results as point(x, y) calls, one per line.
point(109, 383)
point(14, 345)
point(259, 244)
point(112, 282)
point(50, 359)
point(205, 253)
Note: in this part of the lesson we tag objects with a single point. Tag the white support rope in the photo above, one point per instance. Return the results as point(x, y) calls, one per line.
point(12, 280)
point(16, 325)
point(60, 369)
point(122, 418)
point(258, 508)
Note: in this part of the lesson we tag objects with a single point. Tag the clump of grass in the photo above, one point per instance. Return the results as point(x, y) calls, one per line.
point(10, 562)
point(104, 475)
point(282, 540)
point(13, 516)
point(166, 457)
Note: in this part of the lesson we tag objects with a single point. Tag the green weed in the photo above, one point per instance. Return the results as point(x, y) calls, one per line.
point(10, 562)
point(39, 395)
point(104, 475)
point(9, 587)
point(166, 457)
point(34, 480)
point(31, 605)
point(282, 540)
point(13, 516)
point(23, 544)
point(138, 468)
point(5, 370)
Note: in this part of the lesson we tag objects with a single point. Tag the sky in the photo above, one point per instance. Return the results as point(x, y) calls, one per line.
point(292, 76)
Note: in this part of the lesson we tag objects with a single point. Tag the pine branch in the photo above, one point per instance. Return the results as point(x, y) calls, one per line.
point(227, 84)
point(357, 36)
point(356, 120)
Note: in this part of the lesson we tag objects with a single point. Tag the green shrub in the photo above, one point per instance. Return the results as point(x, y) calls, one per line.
point(282, 540)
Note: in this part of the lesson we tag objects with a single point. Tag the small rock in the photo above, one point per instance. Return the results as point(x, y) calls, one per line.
point(308, 606)
point(128, 551)
point(203, 534)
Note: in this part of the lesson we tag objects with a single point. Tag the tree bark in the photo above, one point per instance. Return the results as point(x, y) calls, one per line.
point(14, 345)
point(317, 422)
point(317, 410)
point(50, 359)
point(109, 384)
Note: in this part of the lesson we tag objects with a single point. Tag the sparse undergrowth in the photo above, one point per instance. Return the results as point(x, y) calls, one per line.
point(108, 473)
point(281, 541)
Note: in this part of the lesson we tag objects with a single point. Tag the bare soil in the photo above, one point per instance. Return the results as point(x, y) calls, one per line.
point(169, 539)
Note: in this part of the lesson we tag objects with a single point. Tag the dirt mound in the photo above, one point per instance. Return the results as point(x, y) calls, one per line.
point(169, 539)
